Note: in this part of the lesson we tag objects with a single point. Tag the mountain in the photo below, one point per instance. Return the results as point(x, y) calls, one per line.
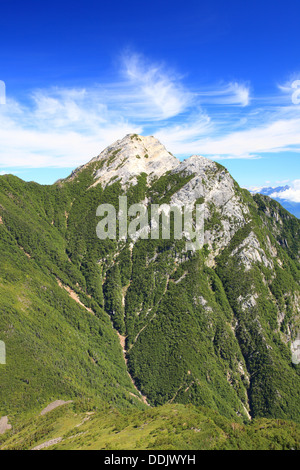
point(292, 207)
point(269, 191)
point(143, 327)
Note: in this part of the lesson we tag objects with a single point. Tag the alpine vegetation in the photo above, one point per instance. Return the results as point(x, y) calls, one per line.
point(147, 303)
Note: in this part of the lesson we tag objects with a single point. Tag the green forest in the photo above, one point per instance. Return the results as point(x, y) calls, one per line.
point(215, 371)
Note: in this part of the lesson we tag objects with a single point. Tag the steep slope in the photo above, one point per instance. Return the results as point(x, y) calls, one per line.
point(211, 327)
point(56, 347)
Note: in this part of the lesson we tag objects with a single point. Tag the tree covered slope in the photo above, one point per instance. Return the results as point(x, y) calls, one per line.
point(211, 328)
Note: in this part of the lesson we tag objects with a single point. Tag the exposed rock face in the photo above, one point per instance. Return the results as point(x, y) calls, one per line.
point(127, 158)
point(212, 185)
point(131, 156)
point(248, 302)
point(225, 211)
point(250, 252)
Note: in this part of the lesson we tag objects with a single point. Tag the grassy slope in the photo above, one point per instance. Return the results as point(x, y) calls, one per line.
point(168, 427)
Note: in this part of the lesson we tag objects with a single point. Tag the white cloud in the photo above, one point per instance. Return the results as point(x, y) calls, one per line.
point(203, 136)
point(292, 194)
point(271, 137)
point(183, 138)
point(254, 189)
point(58, 131)
point(156, 88)
point(233, 93)
point(64, 127)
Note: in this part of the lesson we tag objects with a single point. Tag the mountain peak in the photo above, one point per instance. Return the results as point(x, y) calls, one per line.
point(129, 157)
point(134, 154)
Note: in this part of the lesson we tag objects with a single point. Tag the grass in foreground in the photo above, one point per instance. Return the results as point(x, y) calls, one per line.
point(168, 427)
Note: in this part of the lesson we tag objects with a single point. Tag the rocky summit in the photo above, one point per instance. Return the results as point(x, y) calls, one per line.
point(131, 156)
point(143, 328)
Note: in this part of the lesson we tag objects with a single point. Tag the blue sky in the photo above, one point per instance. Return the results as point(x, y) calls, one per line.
point(215, 78)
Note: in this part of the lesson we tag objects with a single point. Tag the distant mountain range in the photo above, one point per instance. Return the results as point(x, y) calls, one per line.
point(269, 191)
point(292, 207)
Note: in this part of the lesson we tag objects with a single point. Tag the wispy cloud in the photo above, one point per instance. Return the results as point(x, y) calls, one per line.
point(276, 134)
point(64, 127)
point(157, 90)
point(61, 129)
point(280, 135)
point(233, 94)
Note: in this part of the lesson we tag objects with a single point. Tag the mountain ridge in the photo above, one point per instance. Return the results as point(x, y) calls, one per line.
point(210, 328)
point(291, 206)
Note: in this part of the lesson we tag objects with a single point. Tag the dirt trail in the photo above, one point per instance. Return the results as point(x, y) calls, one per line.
point(54, 405)
point(27, 254)
point(74, 296)
point(52, 442)
point(4, 426)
